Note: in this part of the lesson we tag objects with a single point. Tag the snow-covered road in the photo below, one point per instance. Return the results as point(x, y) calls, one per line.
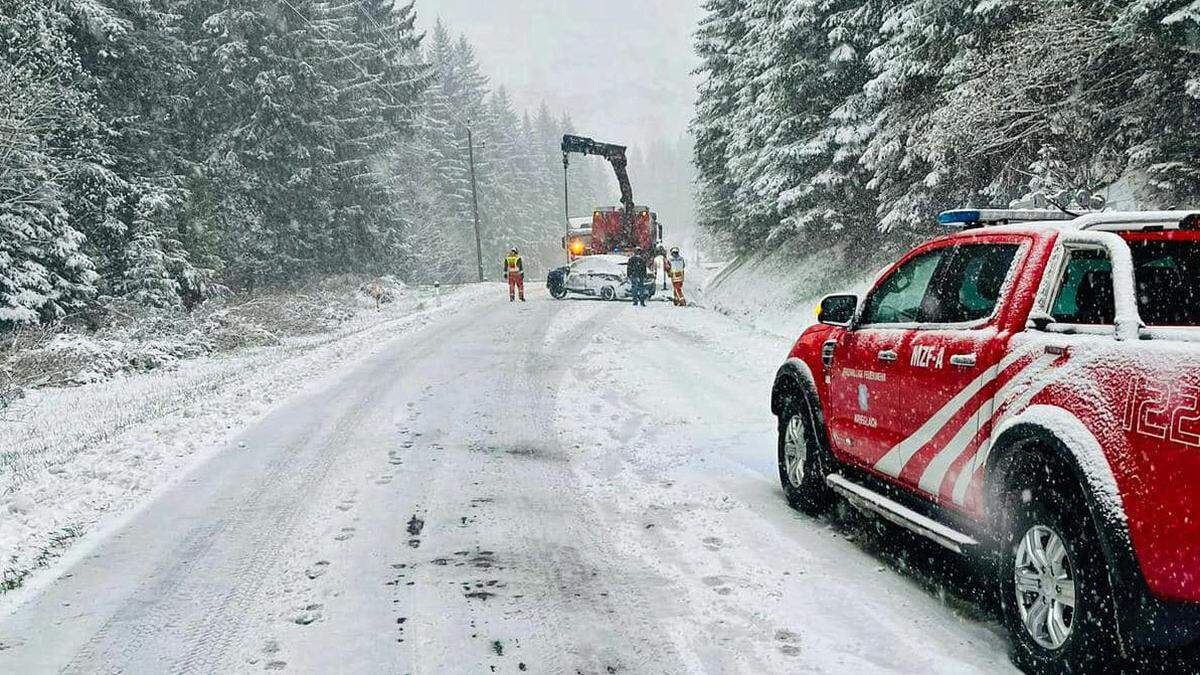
point(544, 487)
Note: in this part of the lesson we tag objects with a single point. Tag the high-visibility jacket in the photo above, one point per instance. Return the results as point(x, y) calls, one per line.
point(513, 264)
point(676, 265)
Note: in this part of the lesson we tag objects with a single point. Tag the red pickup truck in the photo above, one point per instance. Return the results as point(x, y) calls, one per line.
point(1025, 390)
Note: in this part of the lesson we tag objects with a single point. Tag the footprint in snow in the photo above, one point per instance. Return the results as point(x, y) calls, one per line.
point(346, 533)
point(713, 543)
point(789, 642)
point(318, 568)
point(308, 615)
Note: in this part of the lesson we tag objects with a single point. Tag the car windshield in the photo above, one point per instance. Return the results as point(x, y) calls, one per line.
point(1167, 277)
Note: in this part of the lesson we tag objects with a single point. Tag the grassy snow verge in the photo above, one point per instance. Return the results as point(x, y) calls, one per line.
point(777, 291)
point(73, 456)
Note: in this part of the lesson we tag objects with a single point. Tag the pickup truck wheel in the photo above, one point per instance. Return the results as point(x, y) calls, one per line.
point(801, 469)
point(558, 293)
point(1054, 588)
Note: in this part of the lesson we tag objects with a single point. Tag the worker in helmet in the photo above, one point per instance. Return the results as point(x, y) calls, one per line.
point(675, 265)
point(514, 270)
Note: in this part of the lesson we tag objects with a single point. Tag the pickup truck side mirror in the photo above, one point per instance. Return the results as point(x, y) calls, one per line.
point(1040, 320)
point(837, 310)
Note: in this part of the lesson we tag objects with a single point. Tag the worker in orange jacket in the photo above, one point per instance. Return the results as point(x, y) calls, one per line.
point(514, 269)
point(674, 267)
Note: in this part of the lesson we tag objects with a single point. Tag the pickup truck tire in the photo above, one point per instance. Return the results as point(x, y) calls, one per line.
point(558, 292)
point(1053, 582)
point(801, 465)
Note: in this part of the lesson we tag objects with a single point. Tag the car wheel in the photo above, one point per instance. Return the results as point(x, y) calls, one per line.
point(1054, 587)
point(801, 466)
point(608, 293)
point(558, 293)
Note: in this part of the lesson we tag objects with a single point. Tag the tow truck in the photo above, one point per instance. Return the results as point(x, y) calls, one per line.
point(612, 229)
point(1025, 391)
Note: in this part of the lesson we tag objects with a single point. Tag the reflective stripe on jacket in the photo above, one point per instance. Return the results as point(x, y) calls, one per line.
point(513, 263)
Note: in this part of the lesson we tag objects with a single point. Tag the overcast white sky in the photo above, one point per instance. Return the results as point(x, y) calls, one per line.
point(620, 67)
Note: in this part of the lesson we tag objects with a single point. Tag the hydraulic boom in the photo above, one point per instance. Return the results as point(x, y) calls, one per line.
point(615, 154)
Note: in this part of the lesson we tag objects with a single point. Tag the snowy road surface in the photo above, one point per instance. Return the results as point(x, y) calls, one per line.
point(548, 487)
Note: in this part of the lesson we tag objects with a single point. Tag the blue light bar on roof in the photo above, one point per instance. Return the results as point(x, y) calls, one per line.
point(960, 217)
point(977, 217)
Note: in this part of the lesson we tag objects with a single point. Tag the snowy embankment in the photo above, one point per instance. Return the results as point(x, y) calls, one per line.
point(778, 290)
point(73, 457)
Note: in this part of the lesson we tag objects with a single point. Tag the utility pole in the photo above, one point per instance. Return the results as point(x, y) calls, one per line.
point(475, 202)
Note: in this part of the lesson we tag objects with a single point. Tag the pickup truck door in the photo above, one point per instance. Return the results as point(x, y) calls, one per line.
point(950, 366)
point(864, 388)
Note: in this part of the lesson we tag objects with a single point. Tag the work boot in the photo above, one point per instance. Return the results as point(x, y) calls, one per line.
point(522, 298)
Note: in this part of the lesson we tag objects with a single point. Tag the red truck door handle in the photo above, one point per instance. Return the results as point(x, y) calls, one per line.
point(965, 360)
point(888, 355)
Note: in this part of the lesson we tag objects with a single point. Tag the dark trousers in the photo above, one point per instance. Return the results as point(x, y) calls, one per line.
point(637, 288)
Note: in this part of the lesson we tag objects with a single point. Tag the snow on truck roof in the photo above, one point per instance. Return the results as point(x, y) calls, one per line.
point(1111, 221)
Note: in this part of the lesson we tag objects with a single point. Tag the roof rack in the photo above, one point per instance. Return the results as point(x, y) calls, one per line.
point(1089, 221)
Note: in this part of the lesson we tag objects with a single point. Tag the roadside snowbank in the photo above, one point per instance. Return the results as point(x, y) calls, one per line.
point(777, 291)
point(74, 455)
point(116, 337)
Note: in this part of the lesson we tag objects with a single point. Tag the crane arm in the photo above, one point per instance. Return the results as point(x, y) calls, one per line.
point(615, 154)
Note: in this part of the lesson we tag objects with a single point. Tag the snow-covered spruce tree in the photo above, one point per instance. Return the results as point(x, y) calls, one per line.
point(1041, 85)
point(1163, 39)
point(468, 100)
point(377, 90)
point(759, 102)
point(445, 141)
point(147, 276)
point(137, 236)
point(802, 76)
point(511, 221)
point(921, 39)
point(48, 126)
point(274, 120)
point(719, 42)
point(547, 137)
point(841, 196)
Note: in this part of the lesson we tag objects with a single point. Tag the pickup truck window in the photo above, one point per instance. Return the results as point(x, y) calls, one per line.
point(1167, 278)
point(969, 285)
point(899, 297)
point(1085, 295)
